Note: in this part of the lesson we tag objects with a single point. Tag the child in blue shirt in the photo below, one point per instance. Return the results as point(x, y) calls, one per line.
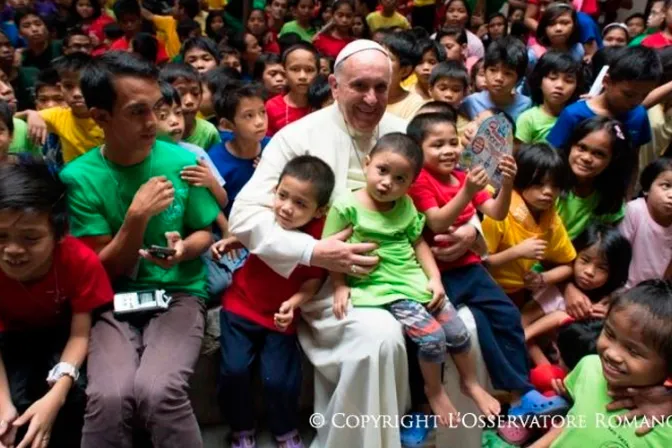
point(505, 63)
point(633, 73)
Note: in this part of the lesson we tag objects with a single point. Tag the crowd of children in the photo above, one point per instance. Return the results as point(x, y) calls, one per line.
point(573, 279)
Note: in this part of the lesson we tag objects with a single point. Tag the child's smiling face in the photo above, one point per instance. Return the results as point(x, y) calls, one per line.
point(27, 242)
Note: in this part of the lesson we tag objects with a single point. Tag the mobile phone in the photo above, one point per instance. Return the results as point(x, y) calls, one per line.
point(161, 252)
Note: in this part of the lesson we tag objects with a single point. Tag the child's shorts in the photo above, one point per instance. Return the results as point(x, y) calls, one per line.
point(550, 299)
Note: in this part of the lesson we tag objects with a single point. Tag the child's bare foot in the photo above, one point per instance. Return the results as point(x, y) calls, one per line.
point(487, 404)
point(442, 407)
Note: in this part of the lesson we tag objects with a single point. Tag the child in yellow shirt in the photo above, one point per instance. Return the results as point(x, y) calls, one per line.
point(532, 231)
point(166, 26)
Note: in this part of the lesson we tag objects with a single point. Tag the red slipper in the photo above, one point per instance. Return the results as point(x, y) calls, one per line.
point(515, 434)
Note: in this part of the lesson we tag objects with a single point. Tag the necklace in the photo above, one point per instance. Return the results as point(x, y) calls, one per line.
point(353, 141)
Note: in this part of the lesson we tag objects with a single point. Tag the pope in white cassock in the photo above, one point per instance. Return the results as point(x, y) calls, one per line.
point(360, 361)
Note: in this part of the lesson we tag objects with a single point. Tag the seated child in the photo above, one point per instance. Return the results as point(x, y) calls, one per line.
point(449, 82)
point(505, 63)
point(633, 351)
point(260, 312)
point(48, 94)
point(449, 197)
point(600, 268)
point(555, 82)
point(51, 283)
point(401, 48)
point(319, 93)
point(532, 232)
point(648, 224)
point(407, 281)
point(184, 78)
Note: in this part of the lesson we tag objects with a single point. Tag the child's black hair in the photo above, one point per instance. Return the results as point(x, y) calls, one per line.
point(186, 27)
point(439, 107)
point(191, 7)
point(178, 70)
point(74, 31)
point(227, 100)
point(30, 186)
point(402, 46)
point(637, 15)
point(97, 78)
point(6, 116)
point(338, 3)
point(474, 72)
point(225, 50)
point(502, 16)
point(578, 339)
point(169, 95)
point(426, 45)
point(635, 64)
point(71, 63)
point(22, 13)
point(650, 306)
point(126, 7)
point(312, 169)
point(146, 46)
point(458, 33)
point(552, 13)
point(288, 40)
point(652, 171)
point(603, 56)
point(202, 43)
point(318, 92)
point(421, 124)
point(220, 78)
point(113, 31)
point(508, 51)
point(612, 184)
point(555, 62)
point(615, 249)
point(402, 144)
point(216, 36)
point(95, 4)
point(537, 162)
point(264, 60)
point(450, 69)
point(302, 46)
point(46, 78)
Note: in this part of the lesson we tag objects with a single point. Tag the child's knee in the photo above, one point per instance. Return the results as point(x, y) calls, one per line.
point(432, 347)
point(458, 339)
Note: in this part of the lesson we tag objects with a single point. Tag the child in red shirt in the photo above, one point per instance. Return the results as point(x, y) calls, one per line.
point(301, 67)
point(260, 309)
point(331, 40)
point(51, 284)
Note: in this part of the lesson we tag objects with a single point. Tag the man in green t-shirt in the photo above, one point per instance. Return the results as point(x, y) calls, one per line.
point(124, 197)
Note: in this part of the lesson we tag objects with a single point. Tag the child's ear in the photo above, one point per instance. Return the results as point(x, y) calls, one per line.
point(321, 211)
point(367, 160)
point(226, 124)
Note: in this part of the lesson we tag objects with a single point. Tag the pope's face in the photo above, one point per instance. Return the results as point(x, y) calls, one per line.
point(360, 87)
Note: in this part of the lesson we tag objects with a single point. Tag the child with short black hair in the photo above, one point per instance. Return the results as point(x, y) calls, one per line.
point(40, 49)
point(52, 285)
point(186, 81)
point(260, 312)
point(558, 29)
point(301, 64)
point(555, 82)
point(302, 11)
point(440, 107)
point(76, 40)
point(201, 53)
point(77, 131)
point(212, 82)
point(269, 71)
point(505, 64)
point(636, 24)
point(633, 73)
point(633, 351)
point(449, 82)
point(230, 57)
point(319, 93)
point(403, 55)
point(430, 53)
point(48, 92)
point(454, 41)
point(240, 109)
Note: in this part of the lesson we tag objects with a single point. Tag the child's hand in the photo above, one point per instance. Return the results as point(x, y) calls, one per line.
point(534, 281)
point(7, 430)
point(37, 128)
point(225, 246)
point(507, 166)
point(438, 294)
point(199, 175)
point(559, 387)
point(341, 296)
point(532, 249)
point(285, 315)
point(477, 179)
point(40, 416)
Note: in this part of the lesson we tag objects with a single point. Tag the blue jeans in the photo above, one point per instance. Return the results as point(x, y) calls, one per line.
point(220, 272)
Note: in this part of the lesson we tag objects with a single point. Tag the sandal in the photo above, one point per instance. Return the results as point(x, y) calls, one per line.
point(534, 403)
point(416, 432)
point(513, 434)
point(290, 440)
point(243, 439)
point(490, 439)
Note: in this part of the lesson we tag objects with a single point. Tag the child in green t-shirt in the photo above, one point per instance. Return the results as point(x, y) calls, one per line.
point(407, 281)
point(302, 11)
point(633, 351)
point(184, 78)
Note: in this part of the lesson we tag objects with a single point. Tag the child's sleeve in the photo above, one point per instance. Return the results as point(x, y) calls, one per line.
point(417, 224)
point(338, 219)
point(423, 194)
point(628, 226)
point(560, 248)
point(93, 287)
point(524, 128)
point(492, 233)
point(562, 130)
